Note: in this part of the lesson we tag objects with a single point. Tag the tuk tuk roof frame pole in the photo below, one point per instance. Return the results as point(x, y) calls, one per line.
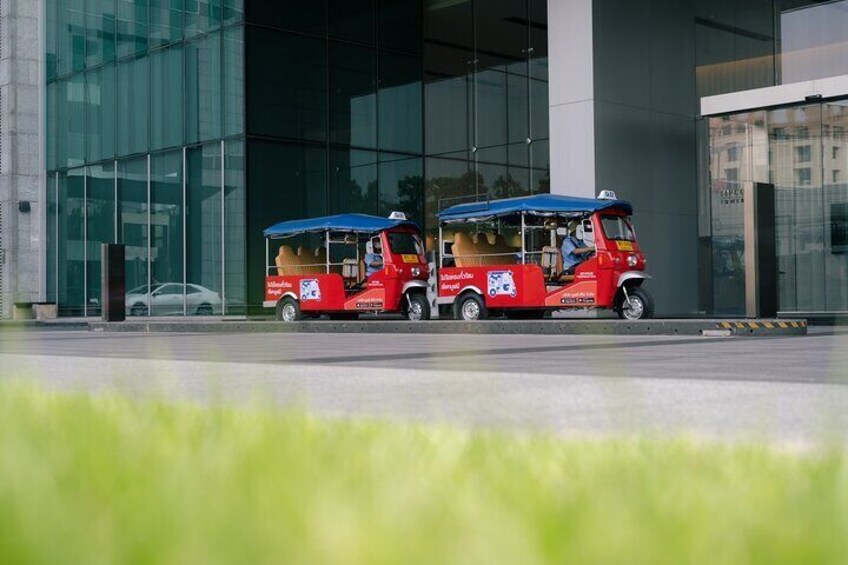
point(523, 235)
point(327, 250)
point(267, 252)
point(440, 247)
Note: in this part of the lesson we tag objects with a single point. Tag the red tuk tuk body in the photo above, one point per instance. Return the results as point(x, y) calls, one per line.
point(314, 283)
point(520, 282)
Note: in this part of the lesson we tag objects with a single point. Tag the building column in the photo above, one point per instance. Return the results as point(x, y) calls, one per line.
point(571, 94)
point(21, 150)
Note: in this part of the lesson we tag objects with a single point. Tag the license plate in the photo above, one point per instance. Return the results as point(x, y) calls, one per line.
point(625, 246)
point(410, 258)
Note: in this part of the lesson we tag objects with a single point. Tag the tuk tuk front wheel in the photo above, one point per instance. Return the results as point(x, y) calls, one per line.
point(635, 304)
point(470, 308)
point(288, 310)
point(417, 307)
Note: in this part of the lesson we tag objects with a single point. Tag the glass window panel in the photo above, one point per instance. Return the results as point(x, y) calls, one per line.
point(399, 103)
point(133, 105)
point(203, 88)
point(449, 22)
point(734, 46)
point(235, 228)
point(202, 16)
point(100, 228)
point(71, 37)
point(233, 11)
point(166, 230)
point(99, 31)
point(286, 182)
point(502, 32)
point(517, 108)
point(132, 231)
point(353, 181)
point(51, 37)
point(400, 25)
point(166, 104)
point(351, 19)
point(446, 99)
point(539, 39)
point(492, 125)
point(813, 39)
point(53, 125)
point(204, 252)
point(101, 98)
point(492, 108)
point(71, 259)
point(835, 221)
point(75, 120)
point(353, 96)
point(291, 101)
point(166, 22)
point(304, 17)
point(233, 81)
point(401, 186)
point(446, 182)
point(539, 122)
point(540, 175)
point(799, 203)
point(131, 27)
point(52, 234)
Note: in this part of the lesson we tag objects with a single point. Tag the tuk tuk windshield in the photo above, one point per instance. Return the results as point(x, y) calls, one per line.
point(404, 243)
point(618, 228)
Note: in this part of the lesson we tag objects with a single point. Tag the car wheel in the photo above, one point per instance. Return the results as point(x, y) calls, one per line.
point(288, 310)
point(138, 310)
point(204, 310)
point(637, 305)
point(417, 308)
point(470, 307)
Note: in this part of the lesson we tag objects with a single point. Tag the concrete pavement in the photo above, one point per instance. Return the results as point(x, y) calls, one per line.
point(785, 390)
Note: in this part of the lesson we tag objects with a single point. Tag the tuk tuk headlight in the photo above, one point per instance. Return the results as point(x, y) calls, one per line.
point(632, 260)
point(416, 271)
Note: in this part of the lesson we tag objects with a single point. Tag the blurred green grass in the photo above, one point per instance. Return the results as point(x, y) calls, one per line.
point(107, 479)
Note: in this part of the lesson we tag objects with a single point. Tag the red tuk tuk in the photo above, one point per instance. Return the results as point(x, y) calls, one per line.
point(481, 273)
point(334, 279)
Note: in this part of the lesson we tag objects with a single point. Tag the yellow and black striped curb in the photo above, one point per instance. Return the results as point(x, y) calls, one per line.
point(765, 327)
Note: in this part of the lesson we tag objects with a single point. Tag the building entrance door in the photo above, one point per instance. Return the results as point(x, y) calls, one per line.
point(803, 151)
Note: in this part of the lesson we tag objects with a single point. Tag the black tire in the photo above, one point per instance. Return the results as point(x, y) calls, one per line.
point(288, 310)
point(469, 304)
point(138, 310)
point(205, 310)
point(641, 305)
point(417, 308)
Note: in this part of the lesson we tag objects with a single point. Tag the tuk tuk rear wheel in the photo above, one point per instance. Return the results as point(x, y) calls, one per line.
point(640, 305)
point(470, 308)
point(288, 310)
point(417, 308)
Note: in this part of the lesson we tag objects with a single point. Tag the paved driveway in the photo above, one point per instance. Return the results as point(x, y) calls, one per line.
point(779, 389)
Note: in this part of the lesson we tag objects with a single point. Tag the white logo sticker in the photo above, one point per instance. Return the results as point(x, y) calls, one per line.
point(309, 289)
point(501, 283)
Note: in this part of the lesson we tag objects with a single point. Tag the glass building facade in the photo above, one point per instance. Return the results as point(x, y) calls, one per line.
point(802, 149)
point(146, 147)
point(183, 128)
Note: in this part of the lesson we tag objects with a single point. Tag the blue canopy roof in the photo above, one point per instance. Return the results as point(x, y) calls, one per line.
point(349, 223)
point(537, 205)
